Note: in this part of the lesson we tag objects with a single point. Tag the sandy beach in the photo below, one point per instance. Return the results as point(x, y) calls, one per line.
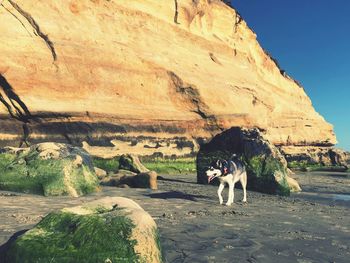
point(312, 226)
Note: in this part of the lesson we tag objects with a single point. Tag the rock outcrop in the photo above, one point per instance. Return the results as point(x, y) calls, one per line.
point(50, 169)
point(312, 155)
point(126, 178)
point(142, 77)
point(131, 172)
point(112, 229)
point(266, 166)
point(132, 163)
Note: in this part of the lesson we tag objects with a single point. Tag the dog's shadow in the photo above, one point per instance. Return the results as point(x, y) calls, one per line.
point(177, 195)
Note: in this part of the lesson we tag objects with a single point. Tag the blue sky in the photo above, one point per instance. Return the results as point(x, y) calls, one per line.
point(311, 41)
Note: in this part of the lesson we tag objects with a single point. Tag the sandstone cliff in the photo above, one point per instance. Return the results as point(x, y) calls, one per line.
point(146, 75)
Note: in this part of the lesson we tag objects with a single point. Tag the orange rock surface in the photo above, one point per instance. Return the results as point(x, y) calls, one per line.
point(93, 70)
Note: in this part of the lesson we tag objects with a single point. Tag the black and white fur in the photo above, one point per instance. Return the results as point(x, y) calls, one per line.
point(228, 172)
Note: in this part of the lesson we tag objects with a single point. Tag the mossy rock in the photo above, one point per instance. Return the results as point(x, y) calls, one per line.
point(109, 165)
point(266, 166)
point(49, 169)
point(107, 230)
point(267, 175)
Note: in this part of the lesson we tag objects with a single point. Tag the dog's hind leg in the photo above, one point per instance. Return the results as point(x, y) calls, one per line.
point(244, 186)
point(221, 187)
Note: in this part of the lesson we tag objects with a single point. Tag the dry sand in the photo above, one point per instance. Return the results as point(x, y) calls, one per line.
point(313, 226)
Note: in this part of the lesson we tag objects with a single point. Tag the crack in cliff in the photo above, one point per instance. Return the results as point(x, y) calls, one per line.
point(239, 19)
point(253, 93)
point(176, 15)
point(257, 100)
point(214, 58)
point(36, 28)
point(9, 11)
point(190, 94)
point(16, 108)
point(246, 89)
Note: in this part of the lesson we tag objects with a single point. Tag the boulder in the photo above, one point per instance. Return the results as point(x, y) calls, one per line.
point(145, 180)
point(115, 179)
point(50, 169)
point(132, 163)
point(100, 173)
point(112, 229)
point(266, 166)
point(293, 184)
point(140, 180)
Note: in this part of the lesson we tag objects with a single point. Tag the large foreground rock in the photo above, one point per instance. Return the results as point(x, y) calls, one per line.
point(110, 230)
point(142, 77)
point(50, 169)
point(266, 166)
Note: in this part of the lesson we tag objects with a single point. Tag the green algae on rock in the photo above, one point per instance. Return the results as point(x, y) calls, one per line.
point(108, 164)
point(268, 175)
point(107, 230)
point(50, 169)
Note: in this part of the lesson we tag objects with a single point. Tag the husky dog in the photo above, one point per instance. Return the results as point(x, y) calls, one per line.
point(228, 172)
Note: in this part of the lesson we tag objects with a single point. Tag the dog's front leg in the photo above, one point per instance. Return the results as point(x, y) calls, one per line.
point(231, 194)
point(221, 187)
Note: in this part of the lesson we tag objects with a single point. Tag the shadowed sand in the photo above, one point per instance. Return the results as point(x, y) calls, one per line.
point(313, 226)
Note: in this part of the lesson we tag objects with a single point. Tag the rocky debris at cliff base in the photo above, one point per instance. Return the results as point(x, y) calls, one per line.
point(124, 177)
point(125, 233)
point(132, 163)
point(131, 172)
point(304, 156)
point(100, 173)
point(266, 166)
point(50, 169)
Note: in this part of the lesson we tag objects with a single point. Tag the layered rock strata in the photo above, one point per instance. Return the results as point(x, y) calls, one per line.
point(143, 77)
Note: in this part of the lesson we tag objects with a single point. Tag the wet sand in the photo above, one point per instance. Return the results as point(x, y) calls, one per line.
point(313, 226)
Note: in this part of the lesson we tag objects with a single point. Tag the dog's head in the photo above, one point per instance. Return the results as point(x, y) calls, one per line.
point(215, 170)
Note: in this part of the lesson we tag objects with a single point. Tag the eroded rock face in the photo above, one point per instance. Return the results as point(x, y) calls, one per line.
point(266, 166)
point(308, 155)
point(50, 169)
point(172, 71)
point(112, 229)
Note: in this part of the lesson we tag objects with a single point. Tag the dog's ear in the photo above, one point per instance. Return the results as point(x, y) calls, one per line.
point(218, 164)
